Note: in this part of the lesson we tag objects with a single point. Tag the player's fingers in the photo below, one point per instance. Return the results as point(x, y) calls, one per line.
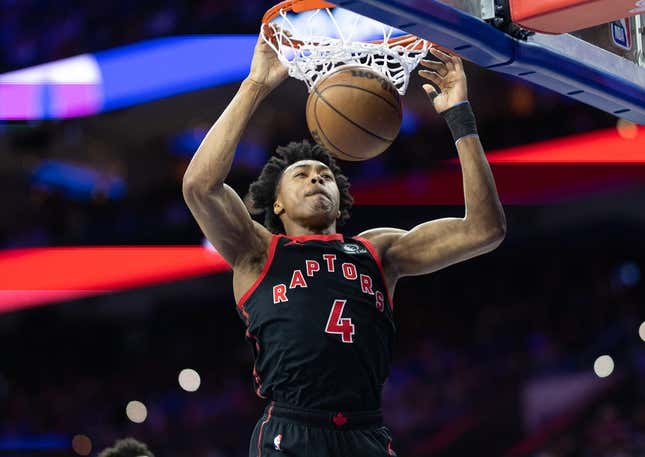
point(439, 67)
point(431, 91)
point(268, 32)
point(459, 64)
point(439, 54)
point(432, 76)
point(279, 30)
point(446, 57)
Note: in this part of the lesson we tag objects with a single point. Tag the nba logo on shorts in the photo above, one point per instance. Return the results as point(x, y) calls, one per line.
point(621, 34)
point(276, 442)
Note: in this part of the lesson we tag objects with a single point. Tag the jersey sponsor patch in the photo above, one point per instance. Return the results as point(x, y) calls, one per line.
point(354, 249)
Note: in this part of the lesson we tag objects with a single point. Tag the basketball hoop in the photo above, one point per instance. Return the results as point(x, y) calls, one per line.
point(318, 39)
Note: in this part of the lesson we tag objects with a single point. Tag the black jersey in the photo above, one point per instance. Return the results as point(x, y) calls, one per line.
point(319, 320)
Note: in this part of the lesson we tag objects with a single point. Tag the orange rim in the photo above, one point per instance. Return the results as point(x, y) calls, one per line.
point(300, 6)
point(297, 6)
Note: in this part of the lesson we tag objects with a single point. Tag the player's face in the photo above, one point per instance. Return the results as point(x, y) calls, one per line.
point(308, 194)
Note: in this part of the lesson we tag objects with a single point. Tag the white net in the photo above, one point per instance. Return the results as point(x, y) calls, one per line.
point(312, 44)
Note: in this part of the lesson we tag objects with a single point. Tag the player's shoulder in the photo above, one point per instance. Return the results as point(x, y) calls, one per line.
point(381, 238)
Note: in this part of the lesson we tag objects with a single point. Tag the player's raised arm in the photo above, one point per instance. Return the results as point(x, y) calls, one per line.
point(218, 209)
point(437, 244)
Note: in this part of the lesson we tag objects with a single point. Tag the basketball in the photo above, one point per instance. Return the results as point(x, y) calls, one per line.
point(354, 112)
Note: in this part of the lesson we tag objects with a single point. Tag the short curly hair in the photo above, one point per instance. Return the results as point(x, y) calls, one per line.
point(127, 447)
point(264, 190)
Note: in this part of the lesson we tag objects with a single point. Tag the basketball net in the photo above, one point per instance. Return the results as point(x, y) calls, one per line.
point(319, 40)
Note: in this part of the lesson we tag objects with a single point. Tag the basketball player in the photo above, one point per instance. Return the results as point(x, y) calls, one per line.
point(317, 304)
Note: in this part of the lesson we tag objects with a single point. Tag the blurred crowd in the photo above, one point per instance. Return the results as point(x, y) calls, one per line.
point(612, 429)
point(37, 31)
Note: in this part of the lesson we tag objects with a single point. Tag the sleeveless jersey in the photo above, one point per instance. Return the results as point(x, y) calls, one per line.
point(320, 322)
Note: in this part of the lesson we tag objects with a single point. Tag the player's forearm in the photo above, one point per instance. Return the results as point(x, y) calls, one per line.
point(212, 162)
point(483, 206)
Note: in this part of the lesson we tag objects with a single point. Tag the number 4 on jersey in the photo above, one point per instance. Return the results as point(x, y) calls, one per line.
point(340, 326)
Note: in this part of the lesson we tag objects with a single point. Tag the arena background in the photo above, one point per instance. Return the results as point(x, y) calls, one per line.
point(498, 356)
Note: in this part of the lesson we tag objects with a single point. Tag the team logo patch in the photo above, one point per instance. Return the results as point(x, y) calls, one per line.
point(354, 249)
point(340, 419)
point(277, 441)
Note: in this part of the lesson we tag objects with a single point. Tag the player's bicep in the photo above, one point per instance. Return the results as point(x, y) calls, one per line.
point(225, 221)
point(438, 244)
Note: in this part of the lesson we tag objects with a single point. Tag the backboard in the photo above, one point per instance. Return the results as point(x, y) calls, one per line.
point(602, 66)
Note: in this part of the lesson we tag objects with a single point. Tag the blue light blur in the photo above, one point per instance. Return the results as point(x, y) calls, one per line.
point(185, 143)
point(168, 66)
point(629, 274)
point(126, 76)
point(410, 123)
point(35, 442)
point(76, 181)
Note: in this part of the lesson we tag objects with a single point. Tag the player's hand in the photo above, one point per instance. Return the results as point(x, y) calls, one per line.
point(266, 68)
point(448, 75)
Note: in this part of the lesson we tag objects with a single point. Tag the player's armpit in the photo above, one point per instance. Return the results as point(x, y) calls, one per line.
point(225, 221)
point(438, 244)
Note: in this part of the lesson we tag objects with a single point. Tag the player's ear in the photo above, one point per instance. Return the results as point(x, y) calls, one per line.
point(277, 208)
point(338, 215)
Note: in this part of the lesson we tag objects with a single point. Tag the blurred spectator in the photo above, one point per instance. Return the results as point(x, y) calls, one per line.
point(127, 447)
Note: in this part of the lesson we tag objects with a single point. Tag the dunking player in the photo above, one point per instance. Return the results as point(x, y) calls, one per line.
point(316, 304)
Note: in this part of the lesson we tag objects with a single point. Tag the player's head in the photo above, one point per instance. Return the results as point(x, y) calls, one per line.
point(128, 447)
point(302, 183)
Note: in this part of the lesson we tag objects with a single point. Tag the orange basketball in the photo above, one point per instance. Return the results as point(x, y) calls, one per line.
point(354, 112)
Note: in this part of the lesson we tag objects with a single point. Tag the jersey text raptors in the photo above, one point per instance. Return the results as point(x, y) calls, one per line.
point(319, 320)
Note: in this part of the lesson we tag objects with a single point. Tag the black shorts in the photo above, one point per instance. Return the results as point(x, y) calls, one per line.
point(287, 431)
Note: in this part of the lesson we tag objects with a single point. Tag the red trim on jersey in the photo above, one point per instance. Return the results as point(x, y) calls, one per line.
point(330, 237)
point(256, 375)
point(261, 430)
point(377, 258)
point(265, 270)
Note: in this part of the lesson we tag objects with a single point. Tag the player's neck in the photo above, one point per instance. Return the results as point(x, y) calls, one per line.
point(298, 230)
